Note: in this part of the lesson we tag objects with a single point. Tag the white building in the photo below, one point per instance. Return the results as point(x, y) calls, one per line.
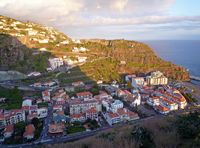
point(64, 42)
point(153, 101)
point(112, 118)
point(82, 59)
point(157, 78)
point(32, 32)
point(27, 102)
point(46, 95)
point(137, 81)
point(11, 117)
point(44, 41)
point(116, 105)
point(42, 112)
point(56, 63)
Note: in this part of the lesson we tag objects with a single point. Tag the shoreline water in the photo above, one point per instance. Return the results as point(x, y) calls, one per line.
point(182, 52)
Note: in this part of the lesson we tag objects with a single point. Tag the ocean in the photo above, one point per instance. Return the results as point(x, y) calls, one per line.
point(185, 53)
point(181, 52)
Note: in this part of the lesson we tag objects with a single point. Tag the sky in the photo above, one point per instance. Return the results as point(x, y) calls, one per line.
point(112, 19)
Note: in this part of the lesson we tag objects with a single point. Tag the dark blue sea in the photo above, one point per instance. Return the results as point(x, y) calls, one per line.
point(185, 53)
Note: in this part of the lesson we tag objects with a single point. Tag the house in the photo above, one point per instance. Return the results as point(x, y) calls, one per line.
point(34, 74)
point(120, 93)
point(128, 78)
point(8, 131)
point(29, 132)
point(76, 41)
point(43, 41)
point(46, 95)
point(82, 59)
point(42, 112)
point(59, 116)
point(127, 115)
point(57, 108)
point(179, 99)
point(32, 32)
point(69, 88)
point(56, 129)
point(64, 42)
point(133, 99)
point(11, 117)
point(169, 104)
point(122, 112)
point(84, 95)
point(137, 81)
point(77, 106)
point(78, 84)
point(161, 109)
point(27, 102)
point(112, 118)
point(132, 116)
point(56, 63)
point(60, 95)
point(91, 113)
point(2, 100)
point(157, 78)
point(33, 109)
point(116, 105)
point(31, 116)
point(77, 117)
point(111, 90)
point(153, 101)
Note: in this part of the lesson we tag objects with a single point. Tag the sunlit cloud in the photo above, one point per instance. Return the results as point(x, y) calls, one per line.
point(101, 16)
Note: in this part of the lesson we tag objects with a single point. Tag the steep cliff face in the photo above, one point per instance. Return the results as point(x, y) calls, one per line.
point(133, 57)
point(107, 59)
point(16, 56)
point(11, 51)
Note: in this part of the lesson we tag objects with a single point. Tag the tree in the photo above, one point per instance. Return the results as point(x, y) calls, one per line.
point(188, 126)
point(20, 128)
point(143, 137)
point(36, 122)
point(129, 84)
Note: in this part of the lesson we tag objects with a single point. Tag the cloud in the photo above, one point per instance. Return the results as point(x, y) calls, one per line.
point(99, 16)
point(70, 12)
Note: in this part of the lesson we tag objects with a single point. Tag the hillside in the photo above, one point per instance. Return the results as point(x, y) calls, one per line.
point(106, 59)
point(181, 132)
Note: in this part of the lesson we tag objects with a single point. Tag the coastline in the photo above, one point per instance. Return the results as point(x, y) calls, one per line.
point(195, 86)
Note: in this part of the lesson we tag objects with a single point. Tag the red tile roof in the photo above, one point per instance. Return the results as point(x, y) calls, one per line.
point(9, 128)
point(86, 93)
point(91, 110)
point(113, 115)
point(162, 108)
point(46, 93)
point(121, 111)
point(30, 129)
point(132, 114)
point(76, 116)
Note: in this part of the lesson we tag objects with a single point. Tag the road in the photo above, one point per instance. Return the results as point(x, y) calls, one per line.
point(47, 121)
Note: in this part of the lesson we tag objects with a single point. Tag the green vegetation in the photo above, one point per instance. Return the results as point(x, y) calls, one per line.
point(188, 126)
point(105, 57)
point(92, 124)
point(13, 98)
point(43, 104)
point(17, 137)
point(38, 127)
point(190, 98)
point(75, 129)
point(182, 131)
point(143, 137)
